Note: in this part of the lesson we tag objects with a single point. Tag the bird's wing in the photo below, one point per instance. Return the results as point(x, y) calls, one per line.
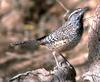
point(59, 34)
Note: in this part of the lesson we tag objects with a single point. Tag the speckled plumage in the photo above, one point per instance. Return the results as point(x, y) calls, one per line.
point(65, 37)
point(68, 35)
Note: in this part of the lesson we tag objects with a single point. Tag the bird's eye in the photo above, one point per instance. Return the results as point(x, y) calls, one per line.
point(78, 18)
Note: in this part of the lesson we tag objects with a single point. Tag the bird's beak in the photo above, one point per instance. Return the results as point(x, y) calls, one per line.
point(84, 10)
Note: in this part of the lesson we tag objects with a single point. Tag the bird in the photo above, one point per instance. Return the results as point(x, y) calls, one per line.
point(66, 37)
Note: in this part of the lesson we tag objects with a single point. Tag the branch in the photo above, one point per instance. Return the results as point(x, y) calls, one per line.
point(93, 74)
point(64, 73)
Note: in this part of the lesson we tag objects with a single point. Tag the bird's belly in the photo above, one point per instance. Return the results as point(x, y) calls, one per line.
point(62, 45)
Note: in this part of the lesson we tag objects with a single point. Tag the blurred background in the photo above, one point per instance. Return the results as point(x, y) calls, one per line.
point(30, 19)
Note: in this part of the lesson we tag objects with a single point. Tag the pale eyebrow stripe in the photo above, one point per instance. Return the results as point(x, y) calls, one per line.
point(74, 12)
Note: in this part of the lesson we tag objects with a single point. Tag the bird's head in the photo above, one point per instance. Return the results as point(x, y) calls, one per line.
point(77, 14)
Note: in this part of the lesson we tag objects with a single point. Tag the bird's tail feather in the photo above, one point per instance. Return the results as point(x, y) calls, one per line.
point(29, 44)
